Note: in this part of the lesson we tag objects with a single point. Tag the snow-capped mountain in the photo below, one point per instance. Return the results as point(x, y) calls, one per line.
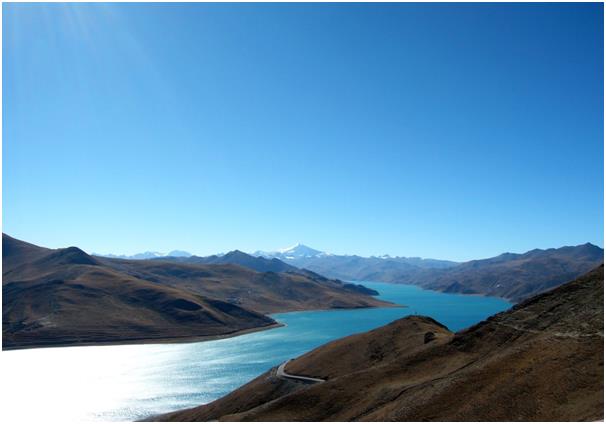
point(147, 255)
point(298, 251)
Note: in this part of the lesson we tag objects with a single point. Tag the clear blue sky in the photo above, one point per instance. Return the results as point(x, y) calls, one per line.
point(434, 130)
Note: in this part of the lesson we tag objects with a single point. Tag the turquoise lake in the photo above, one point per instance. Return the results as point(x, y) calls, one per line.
point(122, 383)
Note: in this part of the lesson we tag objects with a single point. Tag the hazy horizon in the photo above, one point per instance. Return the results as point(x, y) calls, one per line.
point(445, 131)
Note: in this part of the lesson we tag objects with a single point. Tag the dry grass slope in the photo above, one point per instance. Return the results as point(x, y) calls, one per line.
point(540, 361)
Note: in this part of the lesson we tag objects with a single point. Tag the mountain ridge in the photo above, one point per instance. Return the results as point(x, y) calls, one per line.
point(260, 264)
point(67, 297)
point(513, 276)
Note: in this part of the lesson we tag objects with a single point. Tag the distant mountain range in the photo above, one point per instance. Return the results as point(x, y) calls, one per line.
point(236, 257)
point(66, 297)
point(293, 252)
point(542, 360)
point(353, 267)
point(148, 255)
point(510, 275)
point(302, 256)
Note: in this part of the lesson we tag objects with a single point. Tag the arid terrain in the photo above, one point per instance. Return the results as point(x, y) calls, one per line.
point(54, 297)
point(542, 360)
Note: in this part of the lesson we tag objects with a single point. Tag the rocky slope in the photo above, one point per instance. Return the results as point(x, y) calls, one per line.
point(65, 296)
point(540, 361)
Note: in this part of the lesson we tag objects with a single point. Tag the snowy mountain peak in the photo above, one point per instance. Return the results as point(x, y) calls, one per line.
point(300, 250)
point(291, 248)
point(293, 252)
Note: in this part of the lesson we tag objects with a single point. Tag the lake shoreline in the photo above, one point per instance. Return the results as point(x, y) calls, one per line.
point(148, 340)
point(182, 339)
point(486, 295)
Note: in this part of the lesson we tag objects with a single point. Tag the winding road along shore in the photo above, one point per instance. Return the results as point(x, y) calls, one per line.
point(280, 373)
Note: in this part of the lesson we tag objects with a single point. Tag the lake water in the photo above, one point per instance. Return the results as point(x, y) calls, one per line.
point(131, 382)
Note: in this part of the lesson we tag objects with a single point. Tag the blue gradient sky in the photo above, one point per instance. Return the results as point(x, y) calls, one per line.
point(434, 130)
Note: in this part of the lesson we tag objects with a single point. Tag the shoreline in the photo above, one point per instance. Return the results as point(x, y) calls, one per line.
point(511, 301)
point(184, 339)
point(148, 340)
point(392, 306)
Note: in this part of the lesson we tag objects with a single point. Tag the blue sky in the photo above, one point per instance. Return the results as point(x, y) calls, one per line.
point(434, 130)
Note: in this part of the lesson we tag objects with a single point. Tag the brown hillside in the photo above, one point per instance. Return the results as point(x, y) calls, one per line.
point(540, 361)
point(65, 296)
point(266, 292)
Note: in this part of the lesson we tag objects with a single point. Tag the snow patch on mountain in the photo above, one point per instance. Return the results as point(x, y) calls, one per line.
point(147, 255)
point(297, 251)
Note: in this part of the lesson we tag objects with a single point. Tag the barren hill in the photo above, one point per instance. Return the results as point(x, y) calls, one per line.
point(540, 361)
point(65, 296)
